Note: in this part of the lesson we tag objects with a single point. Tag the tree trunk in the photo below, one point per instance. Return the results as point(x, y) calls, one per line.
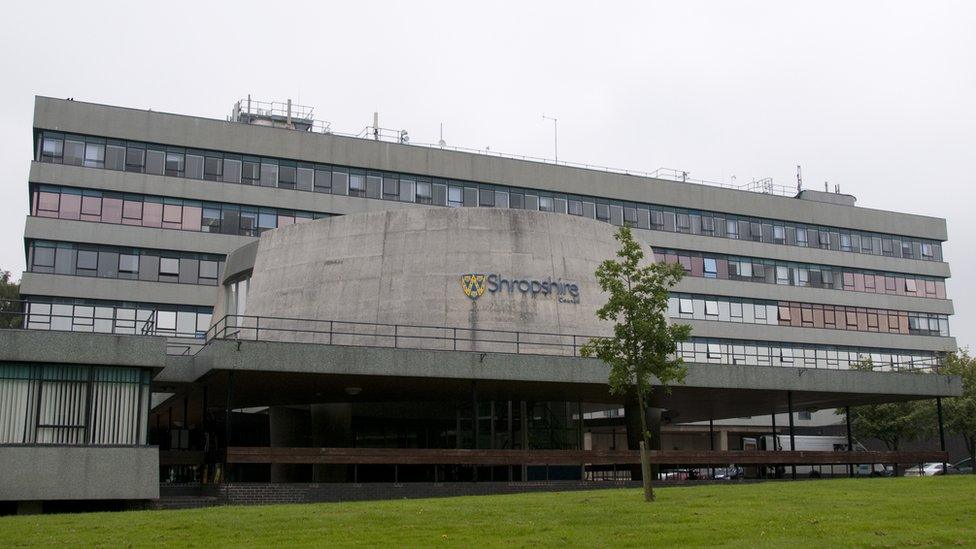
point(645, 458)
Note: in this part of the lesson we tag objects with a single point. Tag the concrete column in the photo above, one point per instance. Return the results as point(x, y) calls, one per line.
point(289, 427)
point(723, 439)
point(331, 428)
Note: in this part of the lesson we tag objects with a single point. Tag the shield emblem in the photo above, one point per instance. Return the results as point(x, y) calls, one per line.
point(473, 285)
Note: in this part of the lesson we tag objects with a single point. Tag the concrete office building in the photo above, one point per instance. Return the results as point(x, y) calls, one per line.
point(246, 293)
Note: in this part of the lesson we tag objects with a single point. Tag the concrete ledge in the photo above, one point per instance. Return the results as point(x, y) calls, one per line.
point(116, 289)
point(780, 292)
point(85, 232)
point(820, 336)
point(78, 472)
point(82, 348)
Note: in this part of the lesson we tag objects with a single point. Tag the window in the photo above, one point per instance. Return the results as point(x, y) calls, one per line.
point(128, 263)
point(708, 225)
point(714, 351)
point(134, 159)
point(269, 174)
point(683, 223)
point(845, 242)
point(232, 170)
point(194, 166)
point(52, 150)
point(824, 239)
point(455, 197)
point(686, 306)
point(927, 250)
point(735, 309)
point(711, 268)
point(114, 157)
point(213, 168)
point(287, 176)
point(802, 277)
point(208, 271)
point(423, 192)
point(155, 162)
point(784, 313)
point(87, 261)
point(779, 234)
point(175, 164)
point(782, 275)
point(545, 204)
point(801, 237)
point(732, 228)
point(711, 308)
point(804, 415)
point(910, 285)
point(906, 249)
point(755, 231)
point(827, 277)
point(575, 207)
point(323, 180)
point(43, 256)
point(169, 266)
point(94, 155)
point(786, 355)
point(357, 185)
point(74, 153)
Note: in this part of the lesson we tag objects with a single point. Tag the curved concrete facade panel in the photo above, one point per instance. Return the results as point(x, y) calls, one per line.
point(406, 267)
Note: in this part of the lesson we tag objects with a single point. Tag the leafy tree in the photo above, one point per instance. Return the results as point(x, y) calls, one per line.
point(893, 422)
point(960, 412)
point(642, 347)
point(9, 297)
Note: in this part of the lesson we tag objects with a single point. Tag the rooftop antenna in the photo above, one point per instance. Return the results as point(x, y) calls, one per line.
point(837, 188)
point(555, 136)
point(442, 142)
point(826, 187)
point(376, 125)
point(799, 180)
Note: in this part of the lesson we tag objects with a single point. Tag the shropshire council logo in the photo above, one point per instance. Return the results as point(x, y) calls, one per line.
point(473, 285)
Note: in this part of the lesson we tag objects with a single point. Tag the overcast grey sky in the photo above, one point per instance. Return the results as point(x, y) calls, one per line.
point(879, 97)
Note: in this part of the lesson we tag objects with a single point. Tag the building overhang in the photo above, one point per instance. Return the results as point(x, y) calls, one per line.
point(279, 373)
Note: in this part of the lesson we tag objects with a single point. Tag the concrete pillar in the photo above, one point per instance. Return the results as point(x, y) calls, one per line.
point(331, 428)
point(723, 439)
point(289, 427)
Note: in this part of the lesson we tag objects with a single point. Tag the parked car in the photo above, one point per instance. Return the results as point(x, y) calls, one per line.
point(964, 467)
point(928, 470)
point(731, 472)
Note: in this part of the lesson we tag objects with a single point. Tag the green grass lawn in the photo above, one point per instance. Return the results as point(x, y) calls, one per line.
point(860, 512)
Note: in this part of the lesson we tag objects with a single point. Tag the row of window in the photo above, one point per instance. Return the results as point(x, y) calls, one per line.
point(73, 404)
point(158, 212)
point(762, 353)
point(107, 317)
point(771, 271)
point(269, 172)
point(806, 315)
point(124, 263)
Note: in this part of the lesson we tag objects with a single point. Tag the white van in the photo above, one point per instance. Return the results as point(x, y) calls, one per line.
point(816, 443)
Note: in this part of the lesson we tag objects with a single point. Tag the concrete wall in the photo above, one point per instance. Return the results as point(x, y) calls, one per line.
point(155, 127)
point(405, 267)
point(78, 472)
point(82, 348)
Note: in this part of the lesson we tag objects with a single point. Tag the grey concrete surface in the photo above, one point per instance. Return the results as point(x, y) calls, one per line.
point(79, 473)
point(82, 348)
point(80, 117)
point(112, 289)
point(240, 262)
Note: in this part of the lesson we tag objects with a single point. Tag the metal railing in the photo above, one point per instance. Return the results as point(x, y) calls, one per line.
point(398, 336)
point(446, 338)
